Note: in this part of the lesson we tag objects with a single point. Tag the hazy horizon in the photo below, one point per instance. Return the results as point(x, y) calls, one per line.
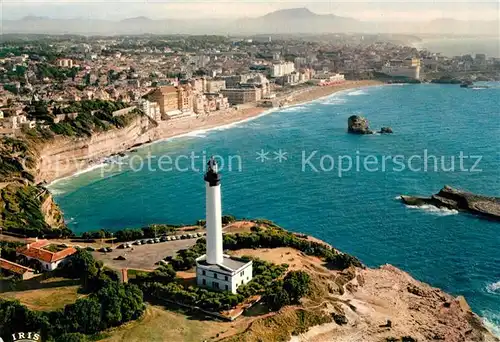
point(371, 10)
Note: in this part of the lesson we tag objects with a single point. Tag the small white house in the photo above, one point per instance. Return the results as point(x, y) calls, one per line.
point(226, 276)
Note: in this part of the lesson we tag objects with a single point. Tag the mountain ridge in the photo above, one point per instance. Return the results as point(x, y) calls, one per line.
point(285, 21)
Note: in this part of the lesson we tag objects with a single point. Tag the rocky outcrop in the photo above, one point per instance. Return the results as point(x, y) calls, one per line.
point(451, 198)
point(51, 212)
point(359, 125)
point(64, 156)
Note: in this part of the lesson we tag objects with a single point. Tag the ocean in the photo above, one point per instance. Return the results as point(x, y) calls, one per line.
point(298, 167)
point(462, 46)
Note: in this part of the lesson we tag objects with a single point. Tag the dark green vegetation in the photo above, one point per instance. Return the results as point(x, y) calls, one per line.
point(266, 277)
point(92, 116)
point(151, 231)
point(9, 249)
point(288, 291)
point(108, 304)
point(21, 201)
point(271, 237)
point(162, 284)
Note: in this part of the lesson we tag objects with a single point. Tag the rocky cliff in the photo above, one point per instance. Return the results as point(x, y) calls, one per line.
point(64, 156)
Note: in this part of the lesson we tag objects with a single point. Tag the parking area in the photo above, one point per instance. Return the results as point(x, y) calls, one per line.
point(142, 257)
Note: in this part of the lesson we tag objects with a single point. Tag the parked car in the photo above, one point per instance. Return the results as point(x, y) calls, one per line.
point(157, 240)
point(163, 239)
point(103, 250)
point(90, 249)
point(109, 249)
point(138, 243)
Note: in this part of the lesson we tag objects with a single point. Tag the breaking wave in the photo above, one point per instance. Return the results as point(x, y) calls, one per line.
point(493, 288)
point(492, 321)
point(434, 210)
point(356, 93)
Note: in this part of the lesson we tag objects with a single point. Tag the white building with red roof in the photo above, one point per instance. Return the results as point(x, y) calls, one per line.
point(48, 254)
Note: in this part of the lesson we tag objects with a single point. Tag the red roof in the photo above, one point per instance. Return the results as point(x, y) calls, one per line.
point(35, 250)
point(13, 267)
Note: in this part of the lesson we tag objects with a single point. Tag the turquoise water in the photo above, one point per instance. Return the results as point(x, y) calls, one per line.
point(357, 212)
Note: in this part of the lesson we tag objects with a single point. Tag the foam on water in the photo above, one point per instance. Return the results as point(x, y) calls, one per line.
point(434, 210)
point(492, 321)
point(493, 288)
point(76, 174)
point(356, 93)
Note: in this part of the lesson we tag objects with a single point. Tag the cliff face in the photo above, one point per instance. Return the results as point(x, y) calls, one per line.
point(52, 213)
point(64, 156)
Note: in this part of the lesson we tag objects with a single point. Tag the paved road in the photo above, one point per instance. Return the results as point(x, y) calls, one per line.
point(143, 257)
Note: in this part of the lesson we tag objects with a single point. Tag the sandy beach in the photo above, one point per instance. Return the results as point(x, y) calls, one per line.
point(169, 129)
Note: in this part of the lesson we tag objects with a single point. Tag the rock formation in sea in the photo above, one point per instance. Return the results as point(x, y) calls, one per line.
point(358, 125)
point(386, 130)
point(451, 198)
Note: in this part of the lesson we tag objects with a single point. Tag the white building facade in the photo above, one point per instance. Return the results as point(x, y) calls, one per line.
point(282, 69)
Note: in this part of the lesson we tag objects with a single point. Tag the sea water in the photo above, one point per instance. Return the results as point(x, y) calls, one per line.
point(357, 211)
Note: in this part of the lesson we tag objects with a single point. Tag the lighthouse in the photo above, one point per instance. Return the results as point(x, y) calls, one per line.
point(215, 270)
point(213, 214)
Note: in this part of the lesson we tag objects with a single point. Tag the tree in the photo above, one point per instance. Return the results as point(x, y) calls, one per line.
point(83, 316)
point(296, 284)
point(276, 297)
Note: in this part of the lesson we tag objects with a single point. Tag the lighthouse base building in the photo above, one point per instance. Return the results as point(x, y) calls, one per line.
point(215, 270)
point(226, 276)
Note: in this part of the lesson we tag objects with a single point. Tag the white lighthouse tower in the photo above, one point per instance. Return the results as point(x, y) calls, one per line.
point(213, 214)
point(216, 270)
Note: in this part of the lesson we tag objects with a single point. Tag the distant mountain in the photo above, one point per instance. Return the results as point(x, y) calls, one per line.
point(299, 20)
point(287, 21)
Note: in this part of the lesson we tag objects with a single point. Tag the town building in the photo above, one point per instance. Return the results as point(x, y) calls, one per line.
point(408, 68)
point(215, 86)
point(49, 255)
point(215, 270)
point(282, 69)
point(168, 100)
point(236, 96)
point(173, 101)
point(65, 63)
point(151, 109)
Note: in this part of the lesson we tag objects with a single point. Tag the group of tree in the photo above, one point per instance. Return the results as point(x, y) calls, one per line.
point(290, 290)
point(272, 237)
point(162, 284)
point(108, 304)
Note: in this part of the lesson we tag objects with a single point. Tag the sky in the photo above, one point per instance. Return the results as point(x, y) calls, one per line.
point(369, 10)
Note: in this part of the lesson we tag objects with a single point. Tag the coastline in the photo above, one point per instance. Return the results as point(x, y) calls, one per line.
point(168, 130)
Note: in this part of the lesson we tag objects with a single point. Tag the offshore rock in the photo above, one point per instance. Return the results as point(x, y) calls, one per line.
point(451, 198)
point(358, 125)
point(386, 130)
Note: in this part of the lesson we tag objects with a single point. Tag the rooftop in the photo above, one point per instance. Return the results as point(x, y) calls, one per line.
point(38, 250)
point(229, 264)
point(13, 267)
